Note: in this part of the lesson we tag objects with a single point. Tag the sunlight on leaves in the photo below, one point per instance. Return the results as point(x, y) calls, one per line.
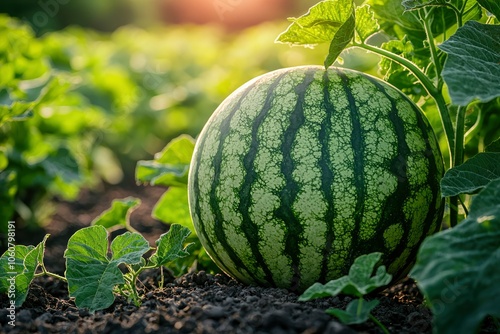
point(366, 23)
point(328, 21)
point(472, 70)
point(471, 176)
point(461, 284)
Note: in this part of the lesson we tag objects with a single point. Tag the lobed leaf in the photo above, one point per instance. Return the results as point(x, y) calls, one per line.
point(366, 23)
point(359, 282)
point(471, 176)
point(353, 315)
point(472, 69)
point(91, 274)
point(170, 246)
point(461, 284)
point(330, 21)
point(119, 214)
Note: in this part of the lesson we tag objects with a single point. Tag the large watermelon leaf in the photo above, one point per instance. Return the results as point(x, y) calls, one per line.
point(330, 21)
point(472, 176)
point(461, 283)
point(472, 70)
point(492, 6)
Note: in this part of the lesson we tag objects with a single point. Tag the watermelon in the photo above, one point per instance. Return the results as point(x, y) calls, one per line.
point(301, 170)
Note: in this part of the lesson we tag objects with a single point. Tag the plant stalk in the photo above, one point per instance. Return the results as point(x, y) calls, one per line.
point(379, 324)
point(457, 159)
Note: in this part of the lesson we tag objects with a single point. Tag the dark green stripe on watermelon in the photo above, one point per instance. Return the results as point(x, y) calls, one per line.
point(291, 189)
point(357, 142)
point(327, 176)
point(248, 226)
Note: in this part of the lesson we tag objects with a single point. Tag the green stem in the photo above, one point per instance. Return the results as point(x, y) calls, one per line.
point(379, 324)
point(360, 306)
point(48, 273)
point(429, 87)
point(458, 159)
point(433, 50)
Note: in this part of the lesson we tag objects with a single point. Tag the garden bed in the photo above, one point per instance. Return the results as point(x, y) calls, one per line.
point(196, 302)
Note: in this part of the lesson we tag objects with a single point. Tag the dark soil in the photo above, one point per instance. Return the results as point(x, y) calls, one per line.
point(196, 302)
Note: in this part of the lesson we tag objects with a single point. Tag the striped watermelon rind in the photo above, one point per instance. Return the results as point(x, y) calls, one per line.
point(301, 170)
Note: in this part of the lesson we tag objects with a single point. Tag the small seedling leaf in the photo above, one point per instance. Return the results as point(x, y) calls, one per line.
point(359, 282)
point(353, 313)
point(91, 274)
point(472, 69)
point(170, 246)
point(461, 284)
point(119, 214)
point(471, 176)
point(22, 270)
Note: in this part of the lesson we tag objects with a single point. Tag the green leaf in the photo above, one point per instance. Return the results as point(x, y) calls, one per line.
point(472, 69)
point(12, 268)
point(91, 274)
point(62, 164)
point(119, 214)
point(359, 282)
point(366, 23)
point(494, 146)
point(353, 314)
point(170, 166)
point(341, 39)
point(173, 208)
point(328, 21)
point(492, 6)
point(20, 271)
point(471, 176)
point(461, 283)
point(159, 174)
point(170, 246)
point(178, 151)
point(416, 4)
point(31, 262)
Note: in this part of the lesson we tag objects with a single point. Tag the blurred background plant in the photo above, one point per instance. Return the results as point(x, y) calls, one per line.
point(90, 87)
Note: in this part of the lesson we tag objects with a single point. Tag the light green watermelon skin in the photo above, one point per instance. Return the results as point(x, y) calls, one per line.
point(301, 170)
